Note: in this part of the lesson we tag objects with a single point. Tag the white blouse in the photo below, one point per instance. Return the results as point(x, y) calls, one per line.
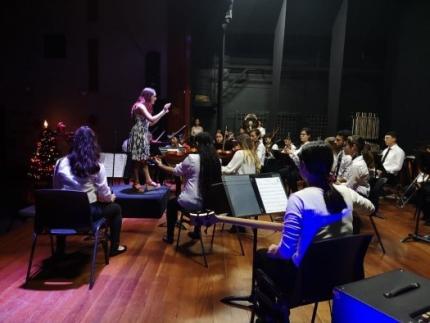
point(357, 176)
point(95, 185)
point(238, 165)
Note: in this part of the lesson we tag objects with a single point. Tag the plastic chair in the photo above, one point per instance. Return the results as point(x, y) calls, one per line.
point(327, 263)
point(64, 213)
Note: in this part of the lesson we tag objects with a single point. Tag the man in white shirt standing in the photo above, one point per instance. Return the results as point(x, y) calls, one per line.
point(392, 158)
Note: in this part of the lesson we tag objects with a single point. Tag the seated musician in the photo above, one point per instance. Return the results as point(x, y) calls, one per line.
point(199, 172)
point(320, 211)
point(284, 145)
point(258, 145)
point(268, 143)
point(392, 158)
point(174, 143)
point(245, 160)
point(342, 161)
point(357, 175)
point(305, 138)
point(81, 170)
point(221, 144)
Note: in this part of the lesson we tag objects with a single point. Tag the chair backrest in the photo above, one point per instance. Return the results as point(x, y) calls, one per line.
point(60, 209)
point(329, 263)
point(376, 190)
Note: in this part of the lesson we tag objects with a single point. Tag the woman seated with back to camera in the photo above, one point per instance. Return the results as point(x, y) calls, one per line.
point(81, 170)
point(320, 211)
point(199, 172)
point(245, 160)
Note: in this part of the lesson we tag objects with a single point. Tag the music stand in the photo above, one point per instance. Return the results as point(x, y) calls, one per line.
point(251, 196)
point(416, 236)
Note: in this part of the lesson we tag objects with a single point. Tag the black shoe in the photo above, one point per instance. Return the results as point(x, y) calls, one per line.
point(194, 235)
point(168, 240)
point(118, 251)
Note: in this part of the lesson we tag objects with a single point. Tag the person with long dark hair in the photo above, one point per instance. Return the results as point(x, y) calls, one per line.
point(320, 211)
point(81, 170)
point(139, 141)
point(199, 171)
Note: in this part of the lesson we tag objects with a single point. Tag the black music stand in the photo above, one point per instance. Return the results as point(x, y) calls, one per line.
point(416, 236)
point(251, 196)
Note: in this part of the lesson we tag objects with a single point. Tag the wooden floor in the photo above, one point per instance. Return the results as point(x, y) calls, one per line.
point(153, 283)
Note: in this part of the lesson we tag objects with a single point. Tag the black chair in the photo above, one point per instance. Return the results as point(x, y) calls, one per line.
point(65, 213)
point(327, 263)
point(186, 218)
point(376, 191)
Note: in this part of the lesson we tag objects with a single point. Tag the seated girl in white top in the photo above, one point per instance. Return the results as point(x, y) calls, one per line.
point(199, 172)
point(357, 175)
point(245, 160)
point(81, 171)
point(320, 211)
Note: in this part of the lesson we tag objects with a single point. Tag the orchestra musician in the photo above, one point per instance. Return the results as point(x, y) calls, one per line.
point(199, 171)
point(245, 160)
point(305, 138)
point(357, 175)
point(392, 158)
point(258, 145)
point(342, 161)
point(320, 211)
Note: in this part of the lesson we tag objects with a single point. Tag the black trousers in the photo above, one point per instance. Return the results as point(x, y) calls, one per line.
point(112, 213)
point(172, 217)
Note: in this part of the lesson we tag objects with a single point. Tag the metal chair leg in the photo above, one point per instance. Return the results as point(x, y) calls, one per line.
point(377, 233)
point(213, 236)
point(30, 262)
point(179, 232)
point(105, 246)
point(314, 313)
point(93, 260)
point(252, 315)
point(240, 243)
point(203, 251)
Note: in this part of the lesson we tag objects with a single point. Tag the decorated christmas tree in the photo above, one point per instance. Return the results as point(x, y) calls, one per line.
point(43, 160)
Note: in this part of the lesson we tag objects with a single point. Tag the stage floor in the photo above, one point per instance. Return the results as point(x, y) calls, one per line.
point(153, 283)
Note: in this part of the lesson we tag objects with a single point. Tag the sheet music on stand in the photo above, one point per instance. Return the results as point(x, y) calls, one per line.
point(107, 159)
point(272, 194)
point(252, 195)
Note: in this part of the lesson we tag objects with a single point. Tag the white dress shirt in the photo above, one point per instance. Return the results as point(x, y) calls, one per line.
point(239, 165)
point(190, 198)
point(393, 162)
point(345, 163)
point(95, 185)
point(307, 219)
point(295, 154)
point(276, 147)
point(261, 152)
point(357, 177)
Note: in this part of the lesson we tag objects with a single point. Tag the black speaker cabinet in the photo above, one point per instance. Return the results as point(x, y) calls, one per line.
point(395, 296)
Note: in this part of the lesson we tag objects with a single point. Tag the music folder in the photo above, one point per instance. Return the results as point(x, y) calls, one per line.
point(252, 195)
